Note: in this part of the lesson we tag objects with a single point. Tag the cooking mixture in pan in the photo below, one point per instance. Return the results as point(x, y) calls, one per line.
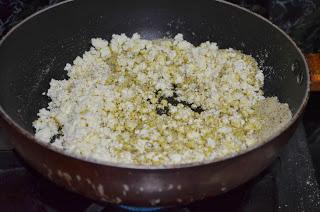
point(159, 102)
point(153, 121)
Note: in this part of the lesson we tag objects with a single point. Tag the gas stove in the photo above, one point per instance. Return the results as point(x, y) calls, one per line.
point(288, 184)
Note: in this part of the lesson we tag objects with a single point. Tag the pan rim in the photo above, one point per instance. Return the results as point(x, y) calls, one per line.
point(32, 138)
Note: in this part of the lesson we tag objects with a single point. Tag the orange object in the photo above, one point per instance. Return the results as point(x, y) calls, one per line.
point(314, 66)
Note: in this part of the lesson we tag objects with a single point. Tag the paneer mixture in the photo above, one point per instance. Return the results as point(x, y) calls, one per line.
point(159, 102)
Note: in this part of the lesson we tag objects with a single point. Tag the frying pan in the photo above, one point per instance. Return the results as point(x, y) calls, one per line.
point(36, 51)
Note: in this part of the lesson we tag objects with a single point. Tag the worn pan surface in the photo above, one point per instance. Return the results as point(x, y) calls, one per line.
point(37, 50)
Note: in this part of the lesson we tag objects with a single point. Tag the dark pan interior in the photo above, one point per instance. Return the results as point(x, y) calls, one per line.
point(39, 49)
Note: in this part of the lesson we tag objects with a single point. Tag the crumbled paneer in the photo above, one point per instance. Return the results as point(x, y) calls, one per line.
point(159, 102)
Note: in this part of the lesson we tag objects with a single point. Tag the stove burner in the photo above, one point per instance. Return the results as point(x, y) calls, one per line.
point(140, 209)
